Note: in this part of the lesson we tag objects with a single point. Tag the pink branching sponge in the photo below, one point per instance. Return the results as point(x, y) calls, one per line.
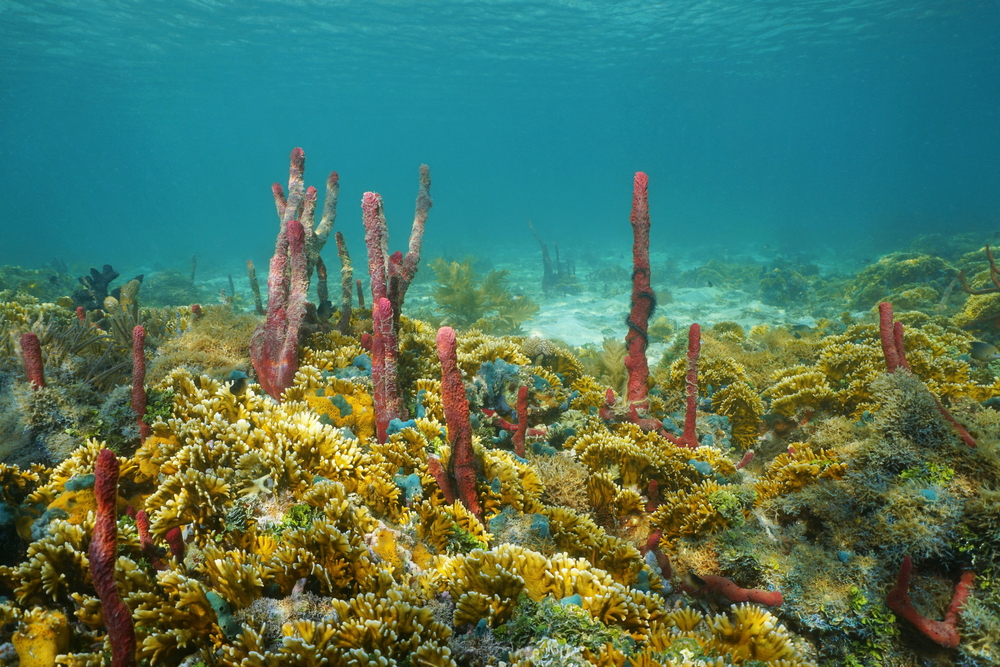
point(300, 204)
point(385, 375)
point(274, 346)
point(462, 464)
point(31, 349)
point(391, 275)
point(390, 278)
point(689, 438)
point(346, 284)
point(891, 334)
point(643, 299)
point(377, 243)
point(103, 556)
point(943, 632)
point(139, 381)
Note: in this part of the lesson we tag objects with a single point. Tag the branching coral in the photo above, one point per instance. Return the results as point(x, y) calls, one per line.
point(466, 301)
point(898, 273)
point(794, 469)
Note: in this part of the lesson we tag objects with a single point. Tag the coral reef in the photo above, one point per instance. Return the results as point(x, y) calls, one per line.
point(421, 496)
point(903, 279)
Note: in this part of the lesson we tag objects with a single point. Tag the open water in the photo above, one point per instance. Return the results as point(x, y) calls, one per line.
point(140, 132)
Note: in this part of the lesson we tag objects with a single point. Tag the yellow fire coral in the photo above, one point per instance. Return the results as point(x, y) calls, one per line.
point(340, 403)
point(498, 576)
point(842, 378)
point(748, 633)
point(293, 507)
point(186, 498)
point(694, 512)
point(56, 564)
point(794, 469)
point(40, 637)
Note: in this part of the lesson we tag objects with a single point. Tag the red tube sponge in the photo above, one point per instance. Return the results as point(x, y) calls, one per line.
point(139, 381)
point(944, 633)
point(149, 548)
point(33, 366)
point(643, 299)
point(689, 438)
point(712, 584)
point(175, 540)
point(103, 556)
point(462, 464)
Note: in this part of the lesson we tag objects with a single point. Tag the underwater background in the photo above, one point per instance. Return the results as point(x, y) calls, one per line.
point(691, 360)
point(148, 131)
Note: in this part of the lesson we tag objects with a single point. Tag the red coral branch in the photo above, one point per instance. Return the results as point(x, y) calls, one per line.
point(653, 495)
point(711, 584)
point(462, 464)
point(643, 299)
point(689, 438)
point(891, 334)
point(653, 546)
point(139, 381)
point(31, 349)
point(103, 556)
point(944, 633)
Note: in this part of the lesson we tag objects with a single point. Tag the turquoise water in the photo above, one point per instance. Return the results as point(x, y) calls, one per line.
point(139, 133)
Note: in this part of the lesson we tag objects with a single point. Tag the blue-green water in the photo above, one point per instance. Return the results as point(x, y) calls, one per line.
point(139, 132)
